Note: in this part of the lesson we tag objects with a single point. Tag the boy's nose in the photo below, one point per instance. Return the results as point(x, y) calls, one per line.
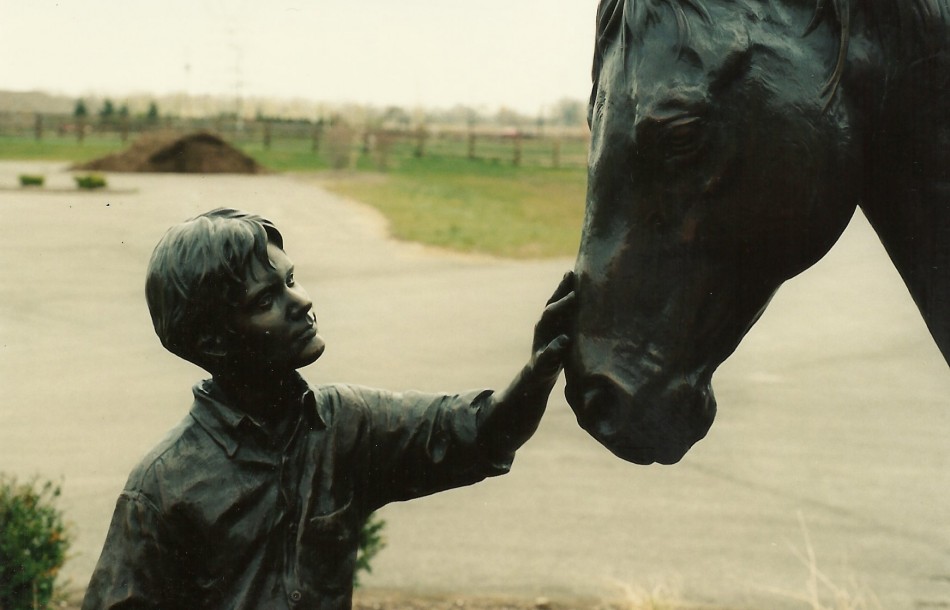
point(300, 303)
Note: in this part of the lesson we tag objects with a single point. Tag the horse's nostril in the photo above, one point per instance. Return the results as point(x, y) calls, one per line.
point(599, 404)
point(603, 407)
point(603, 392)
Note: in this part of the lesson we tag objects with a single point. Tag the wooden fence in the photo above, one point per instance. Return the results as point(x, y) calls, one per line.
point(339, 144)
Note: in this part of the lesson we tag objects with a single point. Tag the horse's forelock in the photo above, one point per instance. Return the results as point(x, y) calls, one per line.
point(921, 24)
point(618, 19)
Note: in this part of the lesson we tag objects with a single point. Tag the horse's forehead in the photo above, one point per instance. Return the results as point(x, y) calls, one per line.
point(660, 63)
point(709, 37)
point(686, 47)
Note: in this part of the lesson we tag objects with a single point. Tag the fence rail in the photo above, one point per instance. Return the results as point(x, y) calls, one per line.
point(339, 144)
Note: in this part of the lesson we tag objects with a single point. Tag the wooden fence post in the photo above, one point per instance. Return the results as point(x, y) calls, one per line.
point(315, 137)
point(367, 138)
point(516, 161)
point(383, 145)
point(471, 145)
point(267, 134)
point(421, 136)
point(38, 126)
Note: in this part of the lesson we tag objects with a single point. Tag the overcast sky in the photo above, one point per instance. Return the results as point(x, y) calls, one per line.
point(523, 54)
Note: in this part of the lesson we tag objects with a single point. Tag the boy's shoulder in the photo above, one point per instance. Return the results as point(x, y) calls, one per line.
point(339, 402)
point(351, 396)
point(177, 450)
point(335, 402)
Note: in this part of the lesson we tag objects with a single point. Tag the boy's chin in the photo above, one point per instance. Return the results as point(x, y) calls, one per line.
point(312, 352)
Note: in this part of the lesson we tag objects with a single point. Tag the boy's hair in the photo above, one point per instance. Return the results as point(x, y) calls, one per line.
point(196, 277)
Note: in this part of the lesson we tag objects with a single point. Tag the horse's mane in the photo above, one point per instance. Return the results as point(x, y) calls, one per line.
point(919, 23)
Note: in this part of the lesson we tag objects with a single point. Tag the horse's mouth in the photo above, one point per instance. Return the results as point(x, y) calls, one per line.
point(659, 428)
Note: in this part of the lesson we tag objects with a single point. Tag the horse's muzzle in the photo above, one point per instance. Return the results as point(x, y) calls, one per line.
point(642, 426)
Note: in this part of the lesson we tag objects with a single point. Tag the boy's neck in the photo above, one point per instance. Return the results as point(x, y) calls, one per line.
point(264, 398)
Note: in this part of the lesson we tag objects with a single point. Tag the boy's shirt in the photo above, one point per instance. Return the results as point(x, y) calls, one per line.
point(214, 517)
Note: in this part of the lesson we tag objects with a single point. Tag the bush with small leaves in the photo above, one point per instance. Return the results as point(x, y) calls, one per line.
point(91, 181)
point(33, 543)
point(31, 180)
point(371, 543)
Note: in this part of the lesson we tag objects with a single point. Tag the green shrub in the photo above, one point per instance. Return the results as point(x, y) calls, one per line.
point(33, 543)
point(31, 180)
point(371, 543)
point(91, 181)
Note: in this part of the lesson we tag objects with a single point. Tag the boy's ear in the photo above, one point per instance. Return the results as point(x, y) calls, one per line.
point(212, 345)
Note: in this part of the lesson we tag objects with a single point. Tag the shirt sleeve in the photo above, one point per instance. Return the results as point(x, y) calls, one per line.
point(135, 570)
point(413, 444)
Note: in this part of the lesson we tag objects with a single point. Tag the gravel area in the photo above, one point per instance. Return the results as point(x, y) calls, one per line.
point(829, 453)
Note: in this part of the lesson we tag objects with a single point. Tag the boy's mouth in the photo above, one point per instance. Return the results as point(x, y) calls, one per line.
point(308, 332)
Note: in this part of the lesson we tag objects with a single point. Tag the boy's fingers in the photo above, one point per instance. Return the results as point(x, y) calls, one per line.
point(566, 286)
point(550, 357)
point(560, 310)
point(562, 304)
point(557, 319)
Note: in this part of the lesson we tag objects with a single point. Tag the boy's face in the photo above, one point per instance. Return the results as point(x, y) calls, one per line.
point(274, 321)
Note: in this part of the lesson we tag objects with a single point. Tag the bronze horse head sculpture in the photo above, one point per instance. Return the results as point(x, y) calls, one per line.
point(731, 141)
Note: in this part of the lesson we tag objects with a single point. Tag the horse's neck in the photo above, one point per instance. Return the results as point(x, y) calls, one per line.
point(919, 245)
point(907, 199)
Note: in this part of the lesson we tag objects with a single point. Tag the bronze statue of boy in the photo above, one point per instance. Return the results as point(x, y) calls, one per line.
point(256, 499)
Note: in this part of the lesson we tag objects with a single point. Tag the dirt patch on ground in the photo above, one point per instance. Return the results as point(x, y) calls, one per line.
point(405, 601)
point(398, 601)
point(200, 152)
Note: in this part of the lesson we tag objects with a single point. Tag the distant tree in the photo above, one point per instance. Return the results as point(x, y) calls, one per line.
point(152, 115)
point(510, 118)
point(80, 112)
point(570, 112)
point(395, 115)
point(456, 115)
point(124, 121)
point(107, 112)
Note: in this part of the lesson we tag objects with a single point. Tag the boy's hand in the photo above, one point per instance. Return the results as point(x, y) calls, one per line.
point(552, 333)
point(514, 414)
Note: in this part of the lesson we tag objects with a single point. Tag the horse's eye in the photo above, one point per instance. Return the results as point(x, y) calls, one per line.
point(682, 137)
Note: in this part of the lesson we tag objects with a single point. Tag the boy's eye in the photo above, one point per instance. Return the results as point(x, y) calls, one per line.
point(265, 301)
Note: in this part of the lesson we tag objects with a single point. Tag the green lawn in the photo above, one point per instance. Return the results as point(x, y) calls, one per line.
point(484, 205)
point(59, 149)
point(476, 206)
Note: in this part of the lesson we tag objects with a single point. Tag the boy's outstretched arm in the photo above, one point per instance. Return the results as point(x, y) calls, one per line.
point(513, 415)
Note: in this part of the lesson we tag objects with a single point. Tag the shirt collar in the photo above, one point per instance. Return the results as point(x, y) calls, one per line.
point(227, 426)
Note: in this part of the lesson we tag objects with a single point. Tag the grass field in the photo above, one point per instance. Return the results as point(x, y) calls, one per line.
point(483, 205)
point(474, 206)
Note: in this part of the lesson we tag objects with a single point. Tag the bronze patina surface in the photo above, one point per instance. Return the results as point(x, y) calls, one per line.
point(731, 143)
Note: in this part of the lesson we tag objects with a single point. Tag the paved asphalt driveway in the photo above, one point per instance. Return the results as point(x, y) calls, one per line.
point(830, 450)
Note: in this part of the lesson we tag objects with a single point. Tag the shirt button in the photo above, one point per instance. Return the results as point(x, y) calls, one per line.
point(295, 596)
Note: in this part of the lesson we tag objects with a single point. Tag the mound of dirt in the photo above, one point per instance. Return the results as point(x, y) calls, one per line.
point(201, 152)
